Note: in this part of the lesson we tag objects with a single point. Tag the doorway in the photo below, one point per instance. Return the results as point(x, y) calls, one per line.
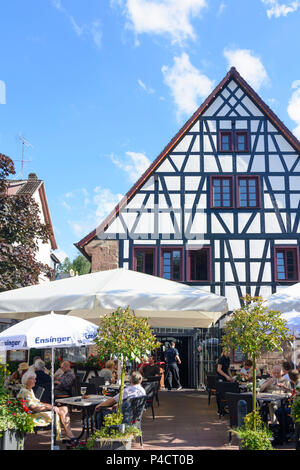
point(184, 346)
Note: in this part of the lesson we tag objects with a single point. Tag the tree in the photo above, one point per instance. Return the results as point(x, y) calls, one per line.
point(254, 329)
point(20, 231)
point(80, 265)
point(124, 335)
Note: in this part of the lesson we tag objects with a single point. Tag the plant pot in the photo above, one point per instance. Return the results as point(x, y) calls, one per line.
point(12, 440)
point(113, 444)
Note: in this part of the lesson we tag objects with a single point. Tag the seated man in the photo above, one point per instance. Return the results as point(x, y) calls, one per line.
point(246, 370)
point(42, 380)
point(63, 384)
point(149, 369)
point(275, 383)
point(110, 405)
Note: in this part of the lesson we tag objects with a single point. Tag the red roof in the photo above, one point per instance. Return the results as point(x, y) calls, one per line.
point(232, 74)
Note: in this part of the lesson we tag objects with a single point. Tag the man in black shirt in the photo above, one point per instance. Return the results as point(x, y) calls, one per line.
point(223, 367)
point(150, 369)
point(172, 372)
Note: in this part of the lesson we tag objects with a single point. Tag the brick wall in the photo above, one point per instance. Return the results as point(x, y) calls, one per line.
point(104, 254)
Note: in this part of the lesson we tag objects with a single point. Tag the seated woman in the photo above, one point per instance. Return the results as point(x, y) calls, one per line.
point(108, 372)
point(41, 412)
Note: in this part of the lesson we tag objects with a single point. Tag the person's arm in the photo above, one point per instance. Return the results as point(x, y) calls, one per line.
point(227, 376)
point(266, 384)
point(107, 403)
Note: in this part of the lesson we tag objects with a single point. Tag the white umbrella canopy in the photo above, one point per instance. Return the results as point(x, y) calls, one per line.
point(293, 322)
point(165, 303)
point(48, 331)
point(286, 300)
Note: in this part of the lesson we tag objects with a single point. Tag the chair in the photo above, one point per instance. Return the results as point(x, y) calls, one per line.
point(39, 392)
point(211, 383)
point(232, 400)
point(156, 379)
point(97, 381)
point(80, 376)
point(132, 410)
point(221, 389)
point(150, 389)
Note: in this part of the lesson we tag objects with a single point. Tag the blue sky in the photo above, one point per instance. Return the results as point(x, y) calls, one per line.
point(100, 87)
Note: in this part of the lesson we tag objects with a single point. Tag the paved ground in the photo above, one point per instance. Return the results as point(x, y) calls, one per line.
point(183, 421)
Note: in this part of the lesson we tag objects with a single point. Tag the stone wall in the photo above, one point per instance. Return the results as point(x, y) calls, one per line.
point(104, 254)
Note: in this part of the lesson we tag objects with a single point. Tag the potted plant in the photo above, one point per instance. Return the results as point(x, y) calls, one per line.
point(15, 418)
point(127, 337)
point(253, 435)
point(113, 435)
point(255, 329)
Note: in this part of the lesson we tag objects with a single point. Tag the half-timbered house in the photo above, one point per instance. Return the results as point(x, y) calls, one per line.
point(219, 207)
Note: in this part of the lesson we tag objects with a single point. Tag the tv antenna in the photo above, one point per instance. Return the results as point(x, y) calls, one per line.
point(25, 143)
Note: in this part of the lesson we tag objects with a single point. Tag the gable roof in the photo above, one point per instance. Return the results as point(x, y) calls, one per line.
point(30, 186)
point(232, 74)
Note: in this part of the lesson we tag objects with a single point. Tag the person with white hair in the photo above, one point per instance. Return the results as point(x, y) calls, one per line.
point(41, 412)
point(275, 382)
point(42, 380)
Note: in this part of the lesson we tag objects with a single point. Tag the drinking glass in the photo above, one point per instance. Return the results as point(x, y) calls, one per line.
point(83, 390)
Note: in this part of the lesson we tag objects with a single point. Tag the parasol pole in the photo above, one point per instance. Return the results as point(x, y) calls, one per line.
point(52, 398)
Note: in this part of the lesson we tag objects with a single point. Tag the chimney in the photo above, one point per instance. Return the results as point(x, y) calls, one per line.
point(32, 176)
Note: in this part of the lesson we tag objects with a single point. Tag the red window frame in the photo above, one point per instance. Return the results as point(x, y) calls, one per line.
point(189, 266)
point(171, 249)
point(287, 248)
point(233, 140)
point(231, 180)
point(144, 248)
point(245, 134)
point(258, 201)
point(229, 134)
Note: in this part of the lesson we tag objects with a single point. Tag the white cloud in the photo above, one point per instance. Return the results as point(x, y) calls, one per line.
point(277, 9)
point(248, 65)
point(134, 164)
point(221, 9)
point(2, 92)
point(147, 89)
point(294, 107)
point(86, 210)
point(93, 29)
point(61, 255)
point(163, 17)
point(187, 84)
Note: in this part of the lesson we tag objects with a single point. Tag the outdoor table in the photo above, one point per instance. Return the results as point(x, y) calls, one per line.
point(278, 398)
point(87, 406)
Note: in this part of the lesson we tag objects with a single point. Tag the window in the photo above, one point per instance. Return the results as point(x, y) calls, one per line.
point(225, 141)
point(230, 141)
point(198, 264)
point(171, 263)
point(241, 141)
point(248, 192)
point(221, 192)
point(144, 260)
point(286, 264)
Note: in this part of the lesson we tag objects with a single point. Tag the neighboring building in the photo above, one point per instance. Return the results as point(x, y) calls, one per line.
point(36, 189)
point(218, 208)
point(45, 255)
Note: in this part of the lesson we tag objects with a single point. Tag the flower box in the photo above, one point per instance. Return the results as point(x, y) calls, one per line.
point(12, 440)
point(113, 444)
